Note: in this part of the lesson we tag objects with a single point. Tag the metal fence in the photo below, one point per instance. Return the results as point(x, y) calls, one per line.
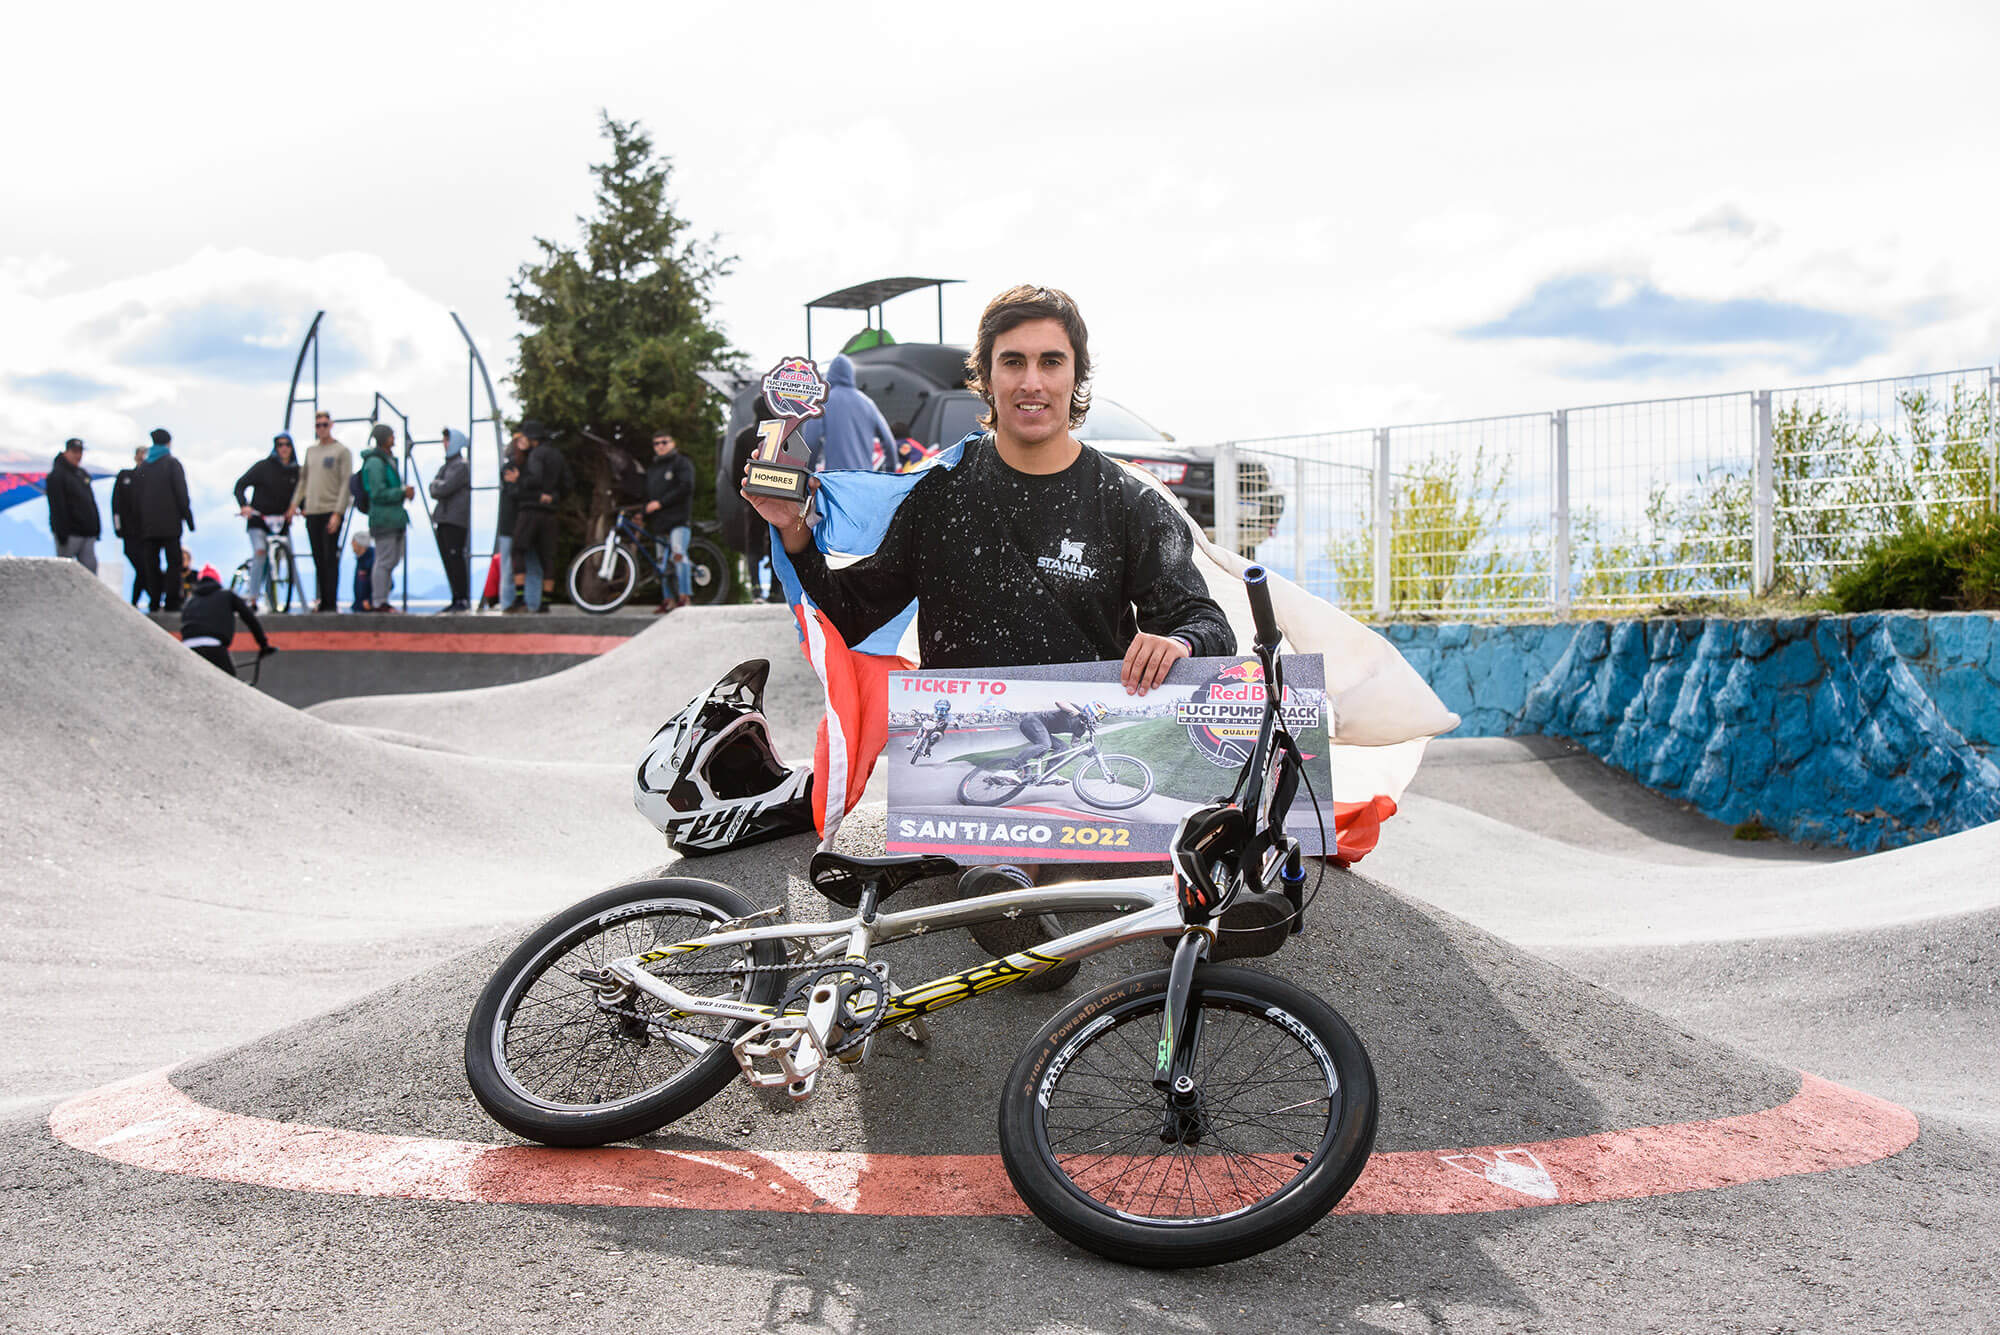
point(1618, 504)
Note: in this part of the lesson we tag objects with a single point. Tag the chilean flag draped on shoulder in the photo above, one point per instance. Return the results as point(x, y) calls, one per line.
point(855, 508)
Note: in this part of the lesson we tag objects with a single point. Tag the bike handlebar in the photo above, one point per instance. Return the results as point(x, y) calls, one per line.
point(1258, 587)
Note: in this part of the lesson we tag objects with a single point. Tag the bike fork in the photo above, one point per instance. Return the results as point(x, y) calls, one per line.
point(1173, 1073)
point(607, 562)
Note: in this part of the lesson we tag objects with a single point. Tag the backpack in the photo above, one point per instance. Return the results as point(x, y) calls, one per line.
point(357, 492)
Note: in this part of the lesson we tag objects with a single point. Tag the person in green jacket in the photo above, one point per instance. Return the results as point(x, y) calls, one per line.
point(388, 522)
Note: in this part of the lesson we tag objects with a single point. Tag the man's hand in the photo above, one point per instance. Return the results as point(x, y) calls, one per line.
point(547, 499)
point(1147, 661)
point(652, 506)
point(788, 517)
point(333, 522)
point(409, 493)
point(246, 510)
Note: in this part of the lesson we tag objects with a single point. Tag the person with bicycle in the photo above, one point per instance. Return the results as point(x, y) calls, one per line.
point(208, 621)
point(932, 728)
point(264, 497)
point(669, 500)
point(1033, 548)
point(1074, 722)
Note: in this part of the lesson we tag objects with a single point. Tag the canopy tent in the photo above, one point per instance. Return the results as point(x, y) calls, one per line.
point(869, 297)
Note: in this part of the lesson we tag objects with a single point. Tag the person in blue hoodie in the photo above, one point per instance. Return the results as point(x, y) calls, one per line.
point(851, 432)
point(452, 519)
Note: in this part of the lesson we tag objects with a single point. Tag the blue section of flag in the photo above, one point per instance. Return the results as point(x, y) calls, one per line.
point(855, 508)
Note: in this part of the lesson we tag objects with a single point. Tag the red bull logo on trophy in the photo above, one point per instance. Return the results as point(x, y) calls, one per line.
point(794, 391)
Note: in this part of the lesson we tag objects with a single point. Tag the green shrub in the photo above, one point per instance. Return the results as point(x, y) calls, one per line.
point(1927, 567)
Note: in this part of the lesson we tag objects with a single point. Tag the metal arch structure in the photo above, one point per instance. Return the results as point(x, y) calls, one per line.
point(477, 379)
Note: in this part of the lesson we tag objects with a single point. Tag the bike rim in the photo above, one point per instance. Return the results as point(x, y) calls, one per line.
point(1269, 1112)
point(1116, 782)
point(553, 1043)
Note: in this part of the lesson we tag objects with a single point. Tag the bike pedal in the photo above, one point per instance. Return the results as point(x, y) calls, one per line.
point(787, 1044)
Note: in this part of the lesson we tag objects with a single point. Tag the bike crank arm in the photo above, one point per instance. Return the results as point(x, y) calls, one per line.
point(1171, 1073)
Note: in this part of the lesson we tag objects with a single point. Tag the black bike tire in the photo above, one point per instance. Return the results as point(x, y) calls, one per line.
point(290, 577)
point(555, 1123)
point(622, 561)
point(1328, 1173)
point(1105, 804)
point(722, 579)
point(1007, 795)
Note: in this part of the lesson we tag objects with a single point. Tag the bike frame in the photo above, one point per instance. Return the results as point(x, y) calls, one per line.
point(626, 530)
point(1051, 763)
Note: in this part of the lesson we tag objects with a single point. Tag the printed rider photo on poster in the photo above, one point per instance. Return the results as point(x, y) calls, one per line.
point(1058, 763)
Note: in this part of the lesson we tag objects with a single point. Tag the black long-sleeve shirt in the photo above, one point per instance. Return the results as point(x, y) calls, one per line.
point(267, 485)
point(1011, 568)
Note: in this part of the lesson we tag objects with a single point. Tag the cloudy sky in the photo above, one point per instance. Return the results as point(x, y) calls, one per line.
point(1286, 218)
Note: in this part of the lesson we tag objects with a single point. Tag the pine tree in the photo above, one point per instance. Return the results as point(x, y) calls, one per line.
point(618, 330)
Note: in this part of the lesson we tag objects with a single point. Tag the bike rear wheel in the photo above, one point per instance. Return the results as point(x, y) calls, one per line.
point(1112, 783)
point(714, 575)
point(596, 592)
point(1278, 1127)
point(550, 1060)
point(990, 783)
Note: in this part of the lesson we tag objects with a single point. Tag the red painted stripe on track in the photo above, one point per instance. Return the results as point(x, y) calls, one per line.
point(148, 1123)
point(391, 642)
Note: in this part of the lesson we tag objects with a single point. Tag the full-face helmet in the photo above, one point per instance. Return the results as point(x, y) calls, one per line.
point(710, 780)
point(1099, 711)
point(942, 706)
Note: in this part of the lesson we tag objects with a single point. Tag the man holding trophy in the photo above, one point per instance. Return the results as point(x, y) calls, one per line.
point(1032, 549)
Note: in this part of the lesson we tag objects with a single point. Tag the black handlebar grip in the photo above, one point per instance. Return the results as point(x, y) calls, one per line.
point(1259, 590)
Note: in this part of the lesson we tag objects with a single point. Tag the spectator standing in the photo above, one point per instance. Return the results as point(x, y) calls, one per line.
point(850, 432)
point(208, 622)
point(264, 496)
point(160, 497)
point(322, 497)
point(452, 519)
point(541, 488)
point(388, 521)
point(669, 498)
point(125, 522)
point(504, 521)
point(73, 517)
point(364, 571)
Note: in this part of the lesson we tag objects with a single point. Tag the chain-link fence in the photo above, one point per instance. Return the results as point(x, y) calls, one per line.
point(1622, 503)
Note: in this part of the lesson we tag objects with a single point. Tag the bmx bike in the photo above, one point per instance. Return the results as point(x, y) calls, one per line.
point(1106, 781)
point(920, 745)
point(281, 573)
point(1179, 1117)
point(604, 575)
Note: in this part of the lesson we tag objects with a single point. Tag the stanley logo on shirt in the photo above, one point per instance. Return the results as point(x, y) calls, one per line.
point(1068, 561)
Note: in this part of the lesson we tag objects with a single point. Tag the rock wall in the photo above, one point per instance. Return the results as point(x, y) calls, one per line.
point(1868, 731)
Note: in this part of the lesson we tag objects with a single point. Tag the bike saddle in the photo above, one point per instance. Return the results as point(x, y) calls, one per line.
point(842, 878)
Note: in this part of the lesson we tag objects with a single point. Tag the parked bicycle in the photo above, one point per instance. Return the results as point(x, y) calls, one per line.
point(1184, 1116)
point(1108, 782)
point(281, 574)
point(604, 575)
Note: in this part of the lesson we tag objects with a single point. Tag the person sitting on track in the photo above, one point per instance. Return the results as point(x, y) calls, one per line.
point(208, 621)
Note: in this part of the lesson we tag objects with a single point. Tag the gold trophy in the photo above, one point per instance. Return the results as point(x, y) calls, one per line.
point(795, 391)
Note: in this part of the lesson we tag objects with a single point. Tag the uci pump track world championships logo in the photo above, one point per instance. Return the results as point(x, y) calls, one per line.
point(793, 388)
point(1223, 714)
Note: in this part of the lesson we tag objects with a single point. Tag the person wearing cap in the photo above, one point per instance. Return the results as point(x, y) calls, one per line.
point(451, 521)
point(388, 521)
point(160, 498)
point(539, 488)
point(264, 497)
point(323, 498)
point(125, 522)
point(73, 517)
point(208, 621)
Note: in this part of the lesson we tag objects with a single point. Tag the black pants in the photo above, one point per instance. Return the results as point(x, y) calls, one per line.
point(218, 655)
point(451, 550)
point(163, 587)
point(535, 530)
point(135, 556)
point(326, 560)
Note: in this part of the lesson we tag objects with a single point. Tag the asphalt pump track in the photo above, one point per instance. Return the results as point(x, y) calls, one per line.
point(1551, 1155)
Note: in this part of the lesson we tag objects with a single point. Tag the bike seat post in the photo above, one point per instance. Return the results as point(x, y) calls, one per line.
point(870, 893)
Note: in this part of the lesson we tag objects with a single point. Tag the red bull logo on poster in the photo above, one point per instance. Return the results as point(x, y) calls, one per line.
point(1222, 715)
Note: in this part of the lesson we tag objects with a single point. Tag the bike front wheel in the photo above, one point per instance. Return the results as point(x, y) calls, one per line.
point(1277, 1128)
point(556, 1053)
point(602, 577)
point(1112, 783)
point(283, 578)
point(990, 783)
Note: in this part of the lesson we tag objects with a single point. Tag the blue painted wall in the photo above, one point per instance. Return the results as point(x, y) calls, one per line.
point(1865, 731)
